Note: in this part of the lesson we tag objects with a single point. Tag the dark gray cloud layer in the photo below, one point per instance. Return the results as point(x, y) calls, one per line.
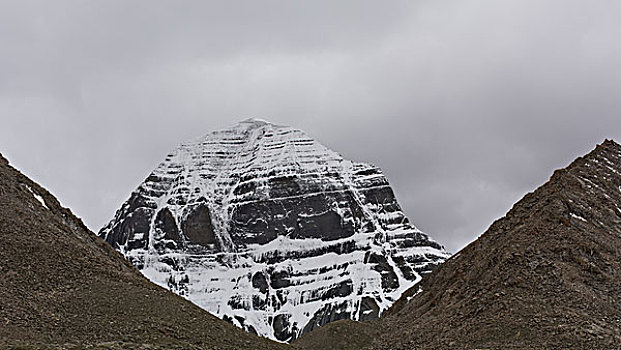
point(466, 105)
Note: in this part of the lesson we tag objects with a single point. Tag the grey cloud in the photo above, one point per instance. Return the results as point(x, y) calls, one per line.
point(465, 105)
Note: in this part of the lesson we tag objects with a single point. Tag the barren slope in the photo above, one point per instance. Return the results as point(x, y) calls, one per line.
point(59, 284)
point(547, 275)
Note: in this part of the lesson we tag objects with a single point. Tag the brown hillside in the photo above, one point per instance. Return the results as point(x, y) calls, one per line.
point(60, 284)
point(545, 276)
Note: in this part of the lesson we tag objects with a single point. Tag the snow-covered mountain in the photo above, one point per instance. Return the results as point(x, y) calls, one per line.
point(266, 228)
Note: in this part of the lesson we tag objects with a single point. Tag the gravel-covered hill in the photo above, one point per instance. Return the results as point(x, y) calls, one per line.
point(61, 285)
point(545, 276)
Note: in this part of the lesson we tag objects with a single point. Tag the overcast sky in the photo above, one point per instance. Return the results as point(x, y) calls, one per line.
point(465, 105)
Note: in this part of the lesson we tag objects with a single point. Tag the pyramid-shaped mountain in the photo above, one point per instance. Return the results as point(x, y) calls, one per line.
point(545, 276)
point(61, 286)
point(268, 229)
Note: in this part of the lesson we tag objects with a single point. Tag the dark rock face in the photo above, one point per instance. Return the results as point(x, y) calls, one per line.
point(328, 313)
point(260, 282)
point(197, 226)
point(301, 217)
point(390, 281)
point(545, 276)
point(283, 329)
point(166, 227)
point(262, 224)
point(369, 310)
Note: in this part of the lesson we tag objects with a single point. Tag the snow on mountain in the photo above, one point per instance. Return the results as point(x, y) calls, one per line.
point(266, 228)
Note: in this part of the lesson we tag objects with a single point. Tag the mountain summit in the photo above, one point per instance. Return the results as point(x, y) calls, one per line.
point(545, 276)
point(268, 229)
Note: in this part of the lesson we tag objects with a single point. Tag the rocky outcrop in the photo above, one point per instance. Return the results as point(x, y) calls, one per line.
point(263, 226)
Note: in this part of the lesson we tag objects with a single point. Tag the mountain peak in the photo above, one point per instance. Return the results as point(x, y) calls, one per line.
point(267, 228)
point(253, 145)
point(611, 142)
point(607, 145)
point(257, 124)
point(602, 162)
point(255, 121)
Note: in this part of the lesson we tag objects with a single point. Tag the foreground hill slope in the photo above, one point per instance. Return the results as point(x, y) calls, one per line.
point(547, 275)
point(60, 284)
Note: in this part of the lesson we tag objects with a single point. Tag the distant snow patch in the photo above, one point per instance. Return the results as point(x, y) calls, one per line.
point(578, 217)
point(37, 197)
point(415, 294)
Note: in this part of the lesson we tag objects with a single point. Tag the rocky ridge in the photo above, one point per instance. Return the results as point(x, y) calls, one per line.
point(266, 228)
